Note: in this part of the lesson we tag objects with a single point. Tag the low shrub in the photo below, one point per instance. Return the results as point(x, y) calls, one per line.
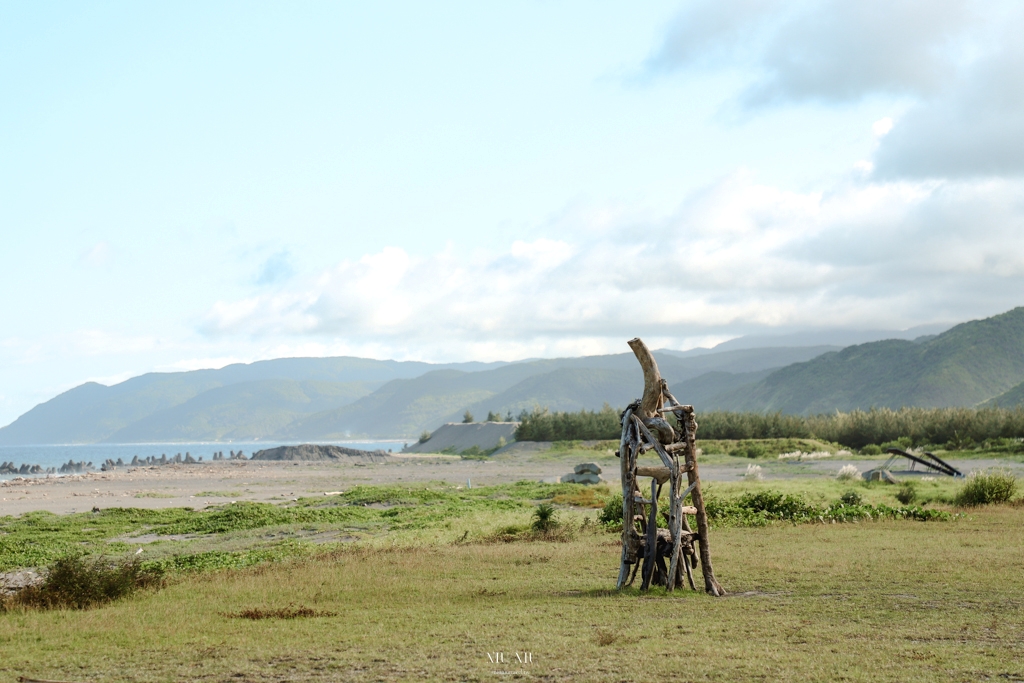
point(851, 498)
point(766, 507)
point(871, 449)
point(545, 518)
point(612, 512)
point(753, 473)
point(73, 582)
point(984, 488)
point(750, 451)
point(907, 493)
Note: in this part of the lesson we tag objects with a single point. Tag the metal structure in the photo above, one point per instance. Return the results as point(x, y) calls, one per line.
point(929, 460)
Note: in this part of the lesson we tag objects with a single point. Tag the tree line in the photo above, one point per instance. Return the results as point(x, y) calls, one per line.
point(955, 428)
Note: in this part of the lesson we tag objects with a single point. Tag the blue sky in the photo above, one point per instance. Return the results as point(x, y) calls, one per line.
point(191, 184)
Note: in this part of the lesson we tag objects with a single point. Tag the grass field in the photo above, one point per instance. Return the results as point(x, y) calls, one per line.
point(881, 601)
point(870, 601)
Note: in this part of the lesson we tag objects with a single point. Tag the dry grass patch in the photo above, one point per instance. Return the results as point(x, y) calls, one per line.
point(290, 612)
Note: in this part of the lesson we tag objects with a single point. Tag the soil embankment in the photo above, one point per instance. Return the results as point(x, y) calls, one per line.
point(308, 452)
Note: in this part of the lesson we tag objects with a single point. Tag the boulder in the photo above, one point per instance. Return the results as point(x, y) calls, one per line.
point(588, 478)
point(587, 468)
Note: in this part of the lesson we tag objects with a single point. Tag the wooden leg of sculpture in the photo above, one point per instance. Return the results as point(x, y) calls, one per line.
point(651, 542)
point(686, 558)
point(689, 426)
point(625, 457)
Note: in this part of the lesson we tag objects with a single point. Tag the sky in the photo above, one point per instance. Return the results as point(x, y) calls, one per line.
point(185, 185)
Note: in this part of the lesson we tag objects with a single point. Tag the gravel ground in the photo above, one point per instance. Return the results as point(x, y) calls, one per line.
point(205, 484)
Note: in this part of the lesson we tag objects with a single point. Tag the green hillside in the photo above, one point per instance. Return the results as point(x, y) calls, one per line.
point(565, 389)
point(244, 411)
point(92, 412)
point(265, 399)
point(1010, 399)
point(963, 366)
point(408, 407)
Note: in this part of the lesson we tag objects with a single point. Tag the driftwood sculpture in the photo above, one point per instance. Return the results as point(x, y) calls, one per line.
point(664, 554)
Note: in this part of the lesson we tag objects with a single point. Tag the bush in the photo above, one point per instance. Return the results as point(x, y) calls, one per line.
point(753, 473)
point(424, 437)
point(545, 518)
point(851, 498)
point(907, 493)
point(754, 450)
point(74, 583)
point(767, 507)
point(848, 473)
point(871, 449)
point(983, 488)
point(612, 512)
point(467, 417)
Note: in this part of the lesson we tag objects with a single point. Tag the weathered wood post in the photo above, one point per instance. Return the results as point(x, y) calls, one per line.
point(643, 429)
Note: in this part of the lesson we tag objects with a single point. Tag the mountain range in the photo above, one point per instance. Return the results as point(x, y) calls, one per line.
point(327, 399)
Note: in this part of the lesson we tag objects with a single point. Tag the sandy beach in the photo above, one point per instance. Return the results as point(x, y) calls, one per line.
point(205, 484)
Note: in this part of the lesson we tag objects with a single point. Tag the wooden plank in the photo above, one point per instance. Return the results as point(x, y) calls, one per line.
point(661, 474)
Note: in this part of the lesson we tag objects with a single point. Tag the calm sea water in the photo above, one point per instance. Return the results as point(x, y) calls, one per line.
point(55, 455)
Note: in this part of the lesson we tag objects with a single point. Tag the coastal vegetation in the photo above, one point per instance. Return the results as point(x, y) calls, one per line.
point(956, 429)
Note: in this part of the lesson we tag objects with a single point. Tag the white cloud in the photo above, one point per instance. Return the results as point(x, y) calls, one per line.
point(881, 127)
point(822, 50)
point(735, 257)
point(956, 66)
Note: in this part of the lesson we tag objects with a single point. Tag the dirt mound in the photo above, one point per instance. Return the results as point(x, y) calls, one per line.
point(316, 453)
point(454, 437)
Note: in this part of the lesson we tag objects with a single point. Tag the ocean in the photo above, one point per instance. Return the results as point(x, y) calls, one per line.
point(55, 455)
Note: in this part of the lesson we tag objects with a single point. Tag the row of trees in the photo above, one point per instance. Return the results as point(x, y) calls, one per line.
point(953, 427)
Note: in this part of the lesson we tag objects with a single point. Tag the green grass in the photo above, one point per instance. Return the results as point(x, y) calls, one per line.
point(879, 601)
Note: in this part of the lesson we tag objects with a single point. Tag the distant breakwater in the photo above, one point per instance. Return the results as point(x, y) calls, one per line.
point(81, 467)
point(92, 457)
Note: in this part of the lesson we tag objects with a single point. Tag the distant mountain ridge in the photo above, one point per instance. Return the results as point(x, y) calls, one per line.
point(980, 362)
point(964, 366)
point(340, 398)
point(92, 412)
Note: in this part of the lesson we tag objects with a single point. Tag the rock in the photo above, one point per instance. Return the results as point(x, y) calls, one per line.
point(189, 460)
point(588, 478)
point(12, 582)
point(587, 467)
